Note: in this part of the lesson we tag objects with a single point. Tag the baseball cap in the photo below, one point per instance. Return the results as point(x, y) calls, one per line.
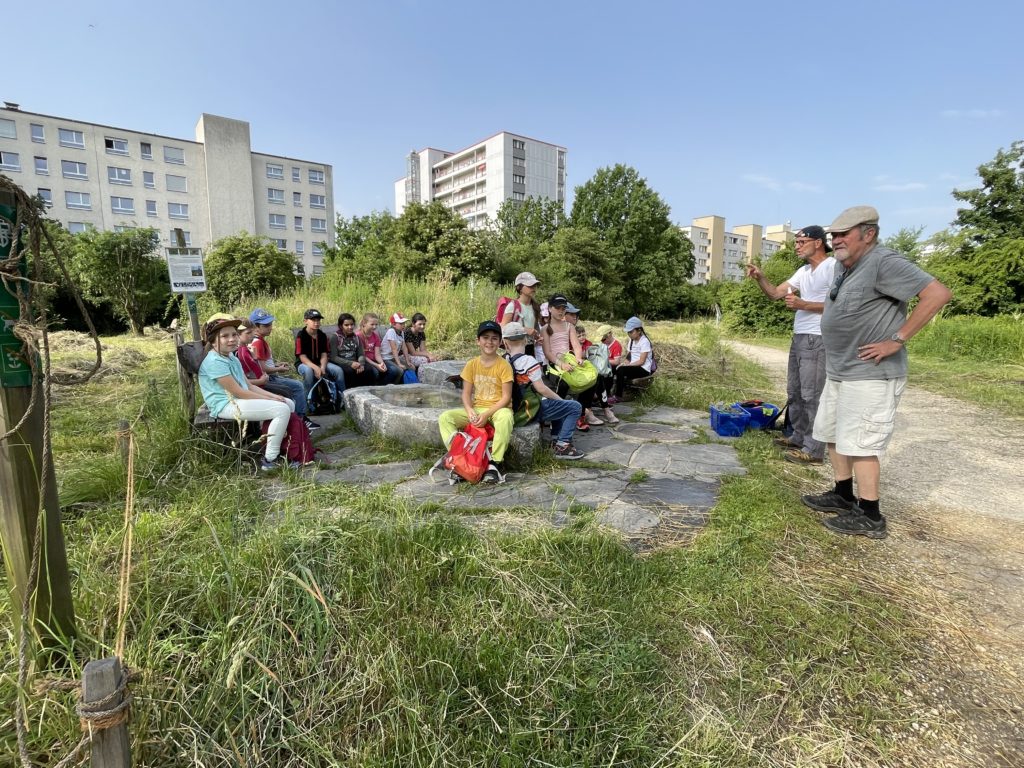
point(558, 300)
point(571, 309)
point(488, 325)
point(312, 314)
point(526, 278)
point(398, 318)
point(851, 217)
point(603, 330)
point(632, 324)
point(814, 232)
point(514, 331)
point(260, 316)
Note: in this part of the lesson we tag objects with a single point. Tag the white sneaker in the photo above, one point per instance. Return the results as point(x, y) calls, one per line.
point(592, 420)
point(610, 417)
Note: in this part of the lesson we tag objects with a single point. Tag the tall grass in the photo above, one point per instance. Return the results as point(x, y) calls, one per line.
point(984, 339)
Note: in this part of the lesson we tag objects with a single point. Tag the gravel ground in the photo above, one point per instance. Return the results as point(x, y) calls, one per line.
point(953, 493)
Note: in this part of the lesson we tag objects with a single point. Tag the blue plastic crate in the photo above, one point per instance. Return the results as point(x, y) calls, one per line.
point(728, 420)
point(760, 415)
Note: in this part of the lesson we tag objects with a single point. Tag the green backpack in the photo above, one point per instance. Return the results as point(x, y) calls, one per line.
point(525, 400)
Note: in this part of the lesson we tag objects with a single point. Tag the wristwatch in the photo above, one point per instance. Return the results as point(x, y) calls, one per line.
point(898, 339)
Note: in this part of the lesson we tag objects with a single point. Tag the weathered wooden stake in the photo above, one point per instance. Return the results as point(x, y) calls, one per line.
point(110, 746)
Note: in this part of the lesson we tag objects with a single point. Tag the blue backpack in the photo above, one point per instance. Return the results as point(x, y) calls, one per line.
point(323, 398)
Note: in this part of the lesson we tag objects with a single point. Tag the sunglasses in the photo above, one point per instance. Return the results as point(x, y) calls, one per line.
point(837, 285)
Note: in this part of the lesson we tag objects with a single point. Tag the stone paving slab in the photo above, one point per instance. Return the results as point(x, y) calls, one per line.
point(644, 431)
point(369, 475)
point(671, 492)
point(679, 417)
point(336, 440)
point(628, 518)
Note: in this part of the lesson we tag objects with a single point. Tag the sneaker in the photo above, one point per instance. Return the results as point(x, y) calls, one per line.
point(567, 452)
point(857, 524)
point(829, 501)
point(592, 420)
point(581, 425)
point(610, 417)
point(310, 424)
point(797, 456)
point(785, 442)
point(279, 463)
point(492, 475)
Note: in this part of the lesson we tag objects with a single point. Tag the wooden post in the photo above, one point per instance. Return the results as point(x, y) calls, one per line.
point(190, 298)
point(21, 498)
point(110, 746)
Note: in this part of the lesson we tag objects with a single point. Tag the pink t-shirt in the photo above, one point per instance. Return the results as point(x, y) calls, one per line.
point(370, 345)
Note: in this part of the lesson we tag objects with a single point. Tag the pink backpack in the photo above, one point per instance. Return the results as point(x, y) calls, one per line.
point(297, 445)
point(517, 309)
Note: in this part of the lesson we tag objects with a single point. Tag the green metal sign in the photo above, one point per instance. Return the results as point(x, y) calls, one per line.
point(14, 366)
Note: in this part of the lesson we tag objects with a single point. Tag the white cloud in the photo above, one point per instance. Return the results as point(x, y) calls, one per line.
point(972, 114)
point(803, 186)
point(763, 181)
point(909, 186)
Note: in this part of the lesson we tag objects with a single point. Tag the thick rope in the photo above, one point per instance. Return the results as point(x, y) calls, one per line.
point(126, 549)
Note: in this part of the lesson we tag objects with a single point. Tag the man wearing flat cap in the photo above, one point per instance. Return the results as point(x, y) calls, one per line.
point(804, 293)
point(865, 327)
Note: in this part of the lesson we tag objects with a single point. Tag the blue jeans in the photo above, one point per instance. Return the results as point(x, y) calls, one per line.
point(394, 374)
point(334, 373)
point(280, 385)
point(563, 415)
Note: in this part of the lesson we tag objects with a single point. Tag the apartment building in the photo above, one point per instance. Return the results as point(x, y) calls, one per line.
point(721, 254)
point(475, 181)
point(210, 187)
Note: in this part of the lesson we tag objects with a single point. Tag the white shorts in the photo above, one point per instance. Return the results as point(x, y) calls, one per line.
point(858, 416)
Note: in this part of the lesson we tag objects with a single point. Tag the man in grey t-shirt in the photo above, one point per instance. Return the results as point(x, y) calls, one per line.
point(865, 327)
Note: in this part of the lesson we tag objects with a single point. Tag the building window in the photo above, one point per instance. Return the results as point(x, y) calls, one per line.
point(517, 179)
point(174, 155)
point(518, 196)
point(122, 227)
point(296, 173)
point(297, 199)
point(116, 146)
point(38, 133)
point(71, 170)
point(122, 205)
point(275, 171)
point(177, 210)
point(146, 150)
point(149, 179)
point(317, 201)
point(79, 200)
point(187, 236)
point(518, 144)
point(282, 245)
point(69, 138)
point(175, 183)
point(277, 221)
point(275, 196)
point(119, 175)
point(10, 161)
point(76, 227)
point(318, 225)
point(317, 250)
point(8, 129)
point(47, 196)
point(298, 223)
point(42, 167)
point(300, 247)
point(316, 177)
point(151, 207)
point(519, 162)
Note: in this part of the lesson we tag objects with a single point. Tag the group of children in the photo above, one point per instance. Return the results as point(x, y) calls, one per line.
point(532, 335)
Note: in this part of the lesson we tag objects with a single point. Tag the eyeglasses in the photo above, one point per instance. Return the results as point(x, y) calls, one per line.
point(837, 285)
point(802, 243)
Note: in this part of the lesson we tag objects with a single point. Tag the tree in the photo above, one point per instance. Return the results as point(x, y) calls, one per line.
point(908, 242)
point(647, 250)
point(747, 309)
point(985, 280)
point(361, 248)
point(124, 271)
point(996, 209)
point(246, 265)
point(531, 221)
point(575, 261)
point(435, 239)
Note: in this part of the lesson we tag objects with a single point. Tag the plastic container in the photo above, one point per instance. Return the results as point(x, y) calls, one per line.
point(728, 420)
point(760, 415)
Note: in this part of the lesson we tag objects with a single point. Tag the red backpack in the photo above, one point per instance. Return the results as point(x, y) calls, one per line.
point(468, 456)
point(517, 309)
point(297, 445)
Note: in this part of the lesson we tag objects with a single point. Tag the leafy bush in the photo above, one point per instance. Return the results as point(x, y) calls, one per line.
point(246, 265)
point(748, 310)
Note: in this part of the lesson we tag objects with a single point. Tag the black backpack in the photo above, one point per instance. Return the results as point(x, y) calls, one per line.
point(323, 398)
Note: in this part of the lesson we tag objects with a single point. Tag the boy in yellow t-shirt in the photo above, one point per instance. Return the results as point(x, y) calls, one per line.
point(486, 397)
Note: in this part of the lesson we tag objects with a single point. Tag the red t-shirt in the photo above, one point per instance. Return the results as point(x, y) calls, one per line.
point(370, 345)
point(614, 349)
point(586, 345)
point(261, 350)
point(249, 365)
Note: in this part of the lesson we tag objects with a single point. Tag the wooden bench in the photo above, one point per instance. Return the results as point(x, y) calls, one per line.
point(226, 435)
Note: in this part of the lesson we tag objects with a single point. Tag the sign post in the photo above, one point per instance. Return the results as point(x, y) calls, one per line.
point(22, 495)
point(188, 276)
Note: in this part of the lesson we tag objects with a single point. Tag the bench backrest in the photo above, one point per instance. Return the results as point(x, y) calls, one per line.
point(190, 355)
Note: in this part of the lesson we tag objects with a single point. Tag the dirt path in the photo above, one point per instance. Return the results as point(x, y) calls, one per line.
point(953, 493)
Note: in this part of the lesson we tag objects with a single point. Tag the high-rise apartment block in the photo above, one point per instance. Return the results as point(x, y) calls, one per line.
point(723, 255)
point(116, 178)
point(475, 181)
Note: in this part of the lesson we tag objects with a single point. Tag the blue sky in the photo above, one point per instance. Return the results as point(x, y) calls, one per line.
point(760, 112)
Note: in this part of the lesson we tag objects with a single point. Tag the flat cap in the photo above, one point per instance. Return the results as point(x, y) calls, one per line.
point(851, 217)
